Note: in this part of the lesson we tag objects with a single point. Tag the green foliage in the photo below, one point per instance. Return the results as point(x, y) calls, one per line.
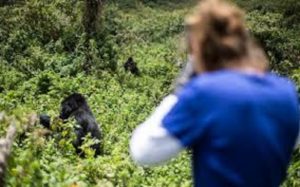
point(49, 35)
point(52, 160)
point(46, 55)
point(41, 69)
point(281, 44)
point(276, 25)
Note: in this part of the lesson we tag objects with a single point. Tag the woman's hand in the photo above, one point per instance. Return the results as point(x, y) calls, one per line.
point(185, 76)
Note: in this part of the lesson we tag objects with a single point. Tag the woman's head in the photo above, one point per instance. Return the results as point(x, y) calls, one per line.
point(218, 37)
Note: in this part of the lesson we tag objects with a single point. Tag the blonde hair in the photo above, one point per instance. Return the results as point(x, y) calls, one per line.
point(222, 37)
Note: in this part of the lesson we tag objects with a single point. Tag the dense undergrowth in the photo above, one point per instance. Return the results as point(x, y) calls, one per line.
point(44, 56)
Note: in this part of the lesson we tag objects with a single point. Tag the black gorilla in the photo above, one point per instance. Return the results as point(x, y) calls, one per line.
point(76, 105)
point(131, 66)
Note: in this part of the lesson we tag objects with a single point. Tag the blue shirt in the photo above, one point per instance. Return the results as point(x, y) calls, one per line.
point(241, 128)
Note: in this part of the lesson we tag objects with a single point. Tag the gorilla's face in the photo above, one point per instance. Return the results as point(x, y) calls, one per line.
point(67, 108)
point(70, 104)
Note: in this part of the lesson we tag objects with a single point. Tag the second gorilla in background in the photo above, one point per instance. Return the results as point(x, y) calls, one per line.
point(76, 106)
point(131, 66)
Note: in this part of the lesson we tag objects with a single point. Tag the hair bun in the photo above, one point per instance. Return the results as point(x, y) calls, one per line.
point(223, 19)
point(221, 31)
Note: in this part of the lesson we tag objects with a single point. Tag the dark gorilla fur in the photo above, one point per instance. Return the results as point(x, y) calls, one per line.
point(131, 66)
point(45, 120)
point(76, 105)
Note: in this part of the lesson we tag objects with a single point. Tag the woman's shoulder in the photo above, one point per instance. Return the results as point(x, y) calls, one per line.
point(204, 83)
point(213, 79)
point(224, 77)
point(231, 82)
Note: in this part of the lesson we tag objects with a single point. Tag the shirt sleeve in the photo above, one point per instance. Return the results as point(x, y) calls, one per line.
point(171, 128)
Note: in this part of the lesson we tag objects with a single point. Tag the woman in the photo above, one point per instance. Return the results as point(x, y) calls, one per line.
point(240, 121)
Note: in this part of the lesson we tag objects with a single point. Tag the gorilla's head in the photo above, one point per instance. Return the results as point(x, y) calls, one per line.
point(70, 104)
point(45, 120)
